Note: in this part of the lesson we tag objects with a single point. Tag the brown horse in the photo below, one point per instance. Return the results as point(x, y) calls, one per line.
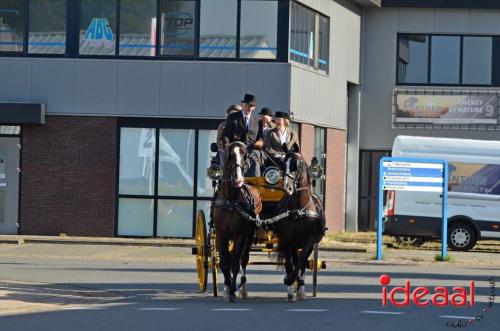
point(234, 204)
point(303, 228)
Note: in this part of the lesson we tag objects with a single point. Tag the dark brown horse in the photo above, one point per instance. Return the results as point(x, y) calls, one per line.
point(305, 226)
point(233, 205)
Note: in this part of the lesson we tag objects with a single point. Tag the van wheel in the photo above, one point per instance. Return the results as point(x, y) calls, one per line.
point(461, 237)
point(410, 241)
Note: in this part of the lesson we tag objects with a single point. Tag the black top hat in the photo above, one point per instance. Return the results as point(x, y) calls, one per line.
point(250, 99)
point(266, 111)
point(233, 108)
point(282, 114)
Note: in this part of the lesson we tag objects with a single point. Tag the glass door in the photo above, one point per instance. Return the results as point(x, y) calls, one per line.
point(9, 185)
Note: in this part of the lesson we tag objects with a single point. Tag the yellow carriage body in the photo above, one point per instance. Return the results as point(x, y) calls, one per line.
point(268, 193)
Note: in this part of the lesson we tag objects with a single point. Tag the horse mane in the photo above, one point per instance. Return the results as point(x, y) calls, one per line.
point(301, 158)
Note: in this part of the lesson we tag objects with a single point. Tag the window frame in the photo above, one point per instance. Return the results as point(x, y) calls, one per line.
point(158, 124)
point(73, 11)
point(317, 25)
point(429, 62)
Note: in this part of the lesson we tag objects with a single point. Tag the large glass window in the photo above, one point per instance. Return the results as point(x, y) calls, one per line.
point(137, 161)
point(206, 137)
point(324, 43)
point(159, 196)
point(477, 60)
point(135, 217)
point(413, 58)
point(218, 28)
point(137, 27)
point(309, 37)
point(445, 60)
point(175, 218)
point(320, 154)
point(246, 29)
point(178, 29)
point(98, 27)
point(259, 40)
point(11, 25)
point(176, 168)
point(47, 27)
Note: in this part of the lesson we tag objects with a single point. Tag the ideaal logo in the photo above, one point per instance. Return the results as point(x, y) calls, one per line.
point(440, 297)
point(99, 33)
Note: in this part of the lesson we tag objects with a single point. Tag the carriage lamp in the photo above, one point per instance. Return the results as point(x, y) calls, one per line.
point(272, 175)
point(214, 172)
point(315, 170)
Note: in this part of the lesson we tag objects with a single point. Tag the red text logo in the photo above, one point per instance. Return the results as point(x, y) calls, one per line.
point(440, 296)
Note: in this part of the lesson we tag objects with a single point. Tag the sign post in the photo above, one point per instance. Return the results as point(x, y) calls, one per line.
point(417, 175)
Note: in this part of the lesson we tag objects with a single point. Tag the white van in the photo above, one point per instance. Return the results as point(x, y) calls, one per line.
point(473, 198)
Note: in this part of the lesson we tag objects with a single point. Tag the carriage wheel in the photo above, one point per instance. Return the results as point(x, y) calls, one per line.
point(201, 251)
point(213, 261)
point(315, 269)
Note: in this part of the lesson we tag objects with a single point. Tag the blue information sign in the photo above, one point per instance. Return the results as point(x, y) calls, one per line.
point(416, 175)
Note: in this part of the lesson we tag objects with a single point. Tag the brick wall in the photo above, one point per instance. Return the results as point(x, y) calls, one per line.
point(335, 179)
point(307, 141)
point(335, 172)
point(68, 176)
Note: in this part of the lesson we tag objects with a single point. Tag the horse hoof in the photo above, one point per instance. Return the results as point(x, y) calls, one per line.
point(243, 293)
point(291, 298)
point(232, 298)
point(301, 294)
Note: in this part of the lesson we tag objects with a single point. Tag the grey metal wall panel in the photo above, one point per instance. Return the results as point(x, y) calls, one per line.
point(181, 89)
point(223, 84)
point(415, 19)
point(53, 84)
point(95, 87)
point(138, 88)
point(485, 21)
point(270, 83)
point(451, 20)
point(15, 79)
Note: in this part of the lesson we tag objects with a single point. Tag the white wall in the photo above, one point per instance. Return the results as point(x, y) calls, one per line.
point(322, 99)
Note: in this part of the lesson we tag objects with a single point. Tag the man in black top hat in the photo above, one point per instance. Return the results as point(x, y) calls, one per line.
point(244, 126)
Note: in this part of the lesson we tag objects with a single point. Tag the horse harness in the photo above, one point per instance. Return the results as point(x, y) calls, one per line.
point(247, 208)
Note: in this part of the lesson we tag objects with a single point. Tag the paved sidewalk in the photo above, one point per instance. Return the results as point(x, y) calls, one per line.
point(150, 242)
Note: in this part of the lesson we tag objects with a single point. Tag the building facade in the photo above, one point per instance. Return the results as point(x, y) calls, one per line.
point(429, 68)
point(108, 107)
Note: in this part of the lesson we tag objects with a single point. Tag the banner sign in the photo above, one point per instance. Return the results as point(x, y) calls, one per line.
point(411, 176)
point(446, 109)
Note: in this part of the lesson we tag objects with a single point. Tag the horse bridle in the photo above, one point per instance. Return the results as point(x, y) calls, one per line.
point(235, 165)
point(296, 179)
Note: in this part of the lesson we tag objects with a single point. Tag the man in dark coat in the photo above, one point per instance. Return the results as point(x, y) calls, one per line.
point(244, 126)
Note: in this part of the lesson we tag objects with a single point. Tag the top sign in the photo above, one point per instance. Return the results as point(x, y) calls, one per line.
point(446, 109)
point(412, 176)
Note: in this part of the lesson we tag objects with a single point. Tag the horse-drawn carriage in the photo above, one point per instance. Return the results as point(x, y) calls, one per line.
point(267, 206)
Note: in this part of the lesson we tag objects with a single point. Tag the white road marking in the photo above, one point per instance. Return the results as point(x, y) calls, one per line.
point(160, 308)
point(83, 308)
point(231, 309)
point(382, 312)
point(307, 310)
point(458, 317)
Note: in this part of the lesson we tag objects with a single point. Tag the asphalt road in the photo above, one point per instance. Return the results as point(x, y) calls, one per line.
point(78, 287)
